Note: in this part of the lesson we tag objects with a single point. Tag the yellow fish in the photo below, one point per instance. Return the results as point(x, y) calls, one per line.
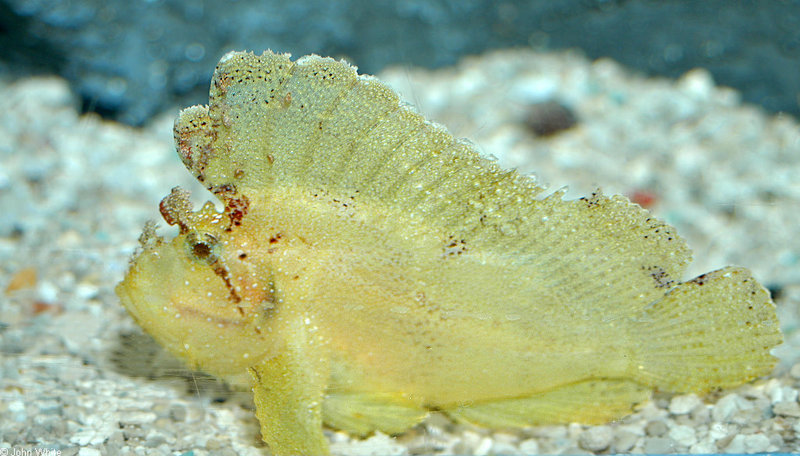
point(368, 268)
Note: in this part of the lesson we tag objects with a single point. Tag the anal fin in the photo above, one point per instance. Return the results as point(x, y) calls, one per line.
point(363, 413)
point(588, 402)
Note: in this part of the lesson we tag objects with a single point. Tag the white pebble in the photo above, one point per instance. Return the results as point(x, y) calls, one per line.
point(697, 83)
point(736, 445)
point(658, 445)
point(47, 292)
point(502, 448)
point(137, 417)
point(719, 431)
point(88, 452)
point(484, 446)
point(705, 446)
point(155, 438)
point(685, 435)
point(701, 414)
point(86, 290)
point(16, 406)
point(680, 405)
point(596, 438)
point(727, 406)
point(624, 441)
point(530, 446)
point(17, 409)
point(504, 437)
point(470, 439)
point(772, 389)
point(787, 408)
point(656, 428)
point(795, 372)
point(756, 443)
point(96, 429)
point(789, 393)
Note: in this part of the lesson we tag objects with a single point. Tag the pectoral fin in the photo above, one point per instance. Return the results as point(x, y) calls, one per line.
point(588, 402)
point(363, 413)
point(288, 391)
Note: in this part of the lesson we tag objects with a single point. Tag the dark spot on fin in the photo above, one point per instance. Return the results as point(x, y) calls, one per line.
point(660, 276)
point(700, 280)
point(453, 246)
point(592, 200)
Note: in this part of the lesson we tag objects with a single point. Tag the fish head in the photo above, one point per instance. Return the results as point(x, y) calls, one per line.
point(197, 294)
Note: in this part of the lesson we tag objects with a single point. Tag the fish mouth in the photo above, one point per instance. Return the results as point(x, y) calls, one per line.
point(188, 310)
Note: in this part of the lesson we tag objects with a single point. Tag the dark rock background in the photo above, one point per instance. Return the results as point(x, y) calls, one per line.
point(130, 60)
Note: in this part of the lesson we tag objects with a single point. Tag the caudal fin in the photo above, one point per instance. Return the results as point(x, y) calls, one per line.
point(714, 331)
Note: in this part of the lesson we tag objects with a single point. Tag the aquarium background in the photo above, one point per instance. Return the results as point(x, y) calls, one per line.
point(131, 60)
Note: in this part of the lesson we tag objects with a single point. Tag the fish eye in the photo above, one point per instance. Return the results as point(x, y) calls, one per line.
point(202, 247)
point(201, 250)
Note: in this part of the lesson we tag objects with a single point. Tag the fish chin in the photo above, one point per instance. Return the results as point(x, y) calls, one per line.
point(189, 310)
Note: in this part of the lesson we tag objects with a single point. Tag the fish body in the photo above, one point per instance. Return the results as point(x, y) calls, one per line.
point(368, 267)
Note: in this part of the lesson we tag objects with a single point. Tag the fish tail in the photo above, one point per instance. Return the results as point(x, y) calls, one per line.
point(714, 331)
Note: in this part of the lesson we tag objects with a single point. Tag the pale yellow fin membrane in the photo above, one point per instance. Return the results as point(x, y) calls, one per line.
point(290, 424)
point(589, 402)
point(714, 331)
point(288, 393)
point(363, 413)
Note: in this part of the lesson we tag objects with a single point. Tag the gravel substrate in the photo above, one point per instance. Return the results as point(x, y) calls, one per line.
point(76, 374)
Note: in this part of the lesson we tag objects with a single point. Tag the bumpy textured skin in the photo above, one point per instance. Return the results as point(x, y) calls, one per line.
point(368, 267)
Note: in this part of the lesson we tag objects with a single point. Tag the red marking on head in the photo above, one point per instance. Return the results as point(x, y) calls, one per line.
point(237, 208)
point(236, 205)
point(184, 147)
point(167, 213)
